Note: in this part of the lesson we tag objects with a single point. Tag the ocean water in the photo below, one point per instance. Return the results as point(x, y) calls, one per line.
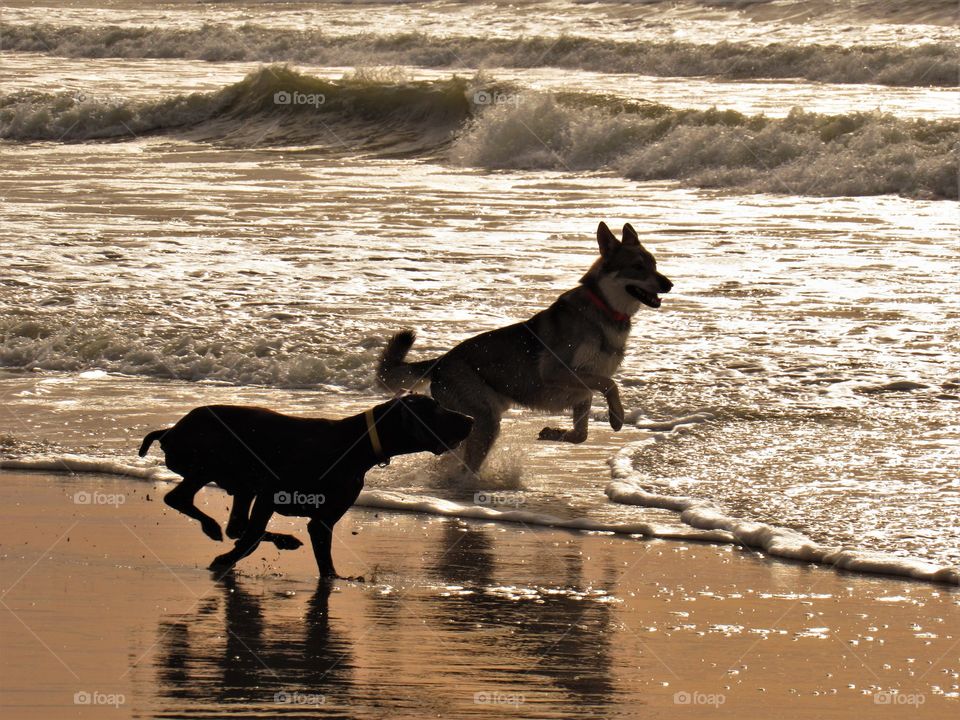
point(244, 201)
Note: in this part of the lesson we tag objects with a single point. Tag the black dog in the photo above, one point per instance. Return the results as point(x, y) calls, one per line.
point(300, 467)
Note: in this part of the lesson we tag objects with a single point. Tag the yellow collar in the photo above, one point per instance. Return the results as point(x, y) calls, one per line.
point(372, 432)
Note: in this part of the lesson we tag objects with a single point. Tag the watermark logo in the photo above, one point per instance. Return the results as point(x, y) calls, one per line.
point(98, 498)
point(890, 697)
point(699, 698)
point(493, 498)
point(298, 498)
point(493, 697)
point(82, 697)
point(81, 97)
point(283, 97)
point(485, 97)
point(298, 698)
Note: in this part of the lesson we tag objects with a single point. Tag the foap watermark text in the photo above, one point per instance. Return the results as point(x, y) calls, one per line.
point(487, 97)
point(98, 498)
point(284, 97)
point(296, 697)
point(85, 697)
point(495, 697)
point(699, 698)
point(298, 498)
point(493, 498)
point(890, 697)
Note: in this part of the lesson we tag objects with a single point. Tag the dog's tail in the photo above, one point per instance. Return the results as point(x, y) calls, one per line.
point(148, 440)
point(393, 373)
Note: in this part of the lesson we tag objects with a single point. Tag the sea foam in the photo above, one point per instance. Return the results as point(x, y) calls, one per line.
point(803, 154)
point(703, 522)
point(384, 499)
point(627, 488)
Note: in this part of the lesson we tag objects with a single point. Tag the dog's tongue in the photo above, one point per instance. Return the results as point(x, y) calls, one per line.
point(655, 300)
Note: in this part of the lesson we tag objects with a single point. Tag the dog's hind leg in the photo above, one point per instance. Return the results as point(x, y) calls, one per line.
point(239, 514)
point(486, 429)
point(248, 542)
point(467, 393)
point(181, 499)
point(239, 519)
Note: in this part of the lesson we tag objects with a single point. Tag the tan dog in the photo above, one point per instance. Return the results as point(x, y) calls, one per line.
point(554, 361)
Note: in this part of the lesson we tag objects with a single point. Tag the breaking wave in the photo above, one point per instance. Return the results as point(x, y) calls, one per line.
point(274, 104)
point(73, 347)
point(868, 153)
point(934, 64)
point(479, 123)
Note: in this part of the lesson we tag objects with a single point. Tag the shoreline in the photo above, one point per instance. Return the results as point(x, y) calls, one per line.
point(92, 412)
point(702, 523)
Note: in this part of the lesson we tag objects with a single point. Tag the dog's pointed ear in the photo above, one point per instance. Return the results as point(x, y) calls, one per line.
point(630, 235)
point(606, 239)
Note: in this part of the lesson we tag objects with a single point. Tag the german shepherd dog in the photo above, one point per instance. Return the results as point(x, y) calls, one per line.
point(554, 361)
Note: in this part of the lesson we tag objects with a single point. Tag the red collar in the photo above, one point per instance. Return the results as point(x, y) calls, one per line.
point(601, 303)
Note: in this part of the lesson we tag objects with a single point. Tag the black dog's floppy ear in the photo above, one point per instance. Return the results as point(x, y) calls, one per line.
point(606, 239)
point(630, 235)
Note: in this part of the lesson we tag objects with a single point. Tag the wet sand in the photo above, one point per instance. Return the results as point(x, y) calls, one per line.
point(108, 611)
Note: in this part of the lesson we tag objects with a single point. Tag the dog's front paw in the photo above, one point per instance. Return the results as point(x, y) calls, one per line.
point(549, 433)
point(616, 418)
point(286, 542)
point(570, 436)
point(616, 410)
point(222, 562)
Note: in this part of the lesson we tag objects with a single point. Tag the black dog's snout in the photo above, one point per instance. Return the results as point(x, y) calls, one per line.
point(665, 284)
point(465, 422)
point(453, 429)
point(460, 425)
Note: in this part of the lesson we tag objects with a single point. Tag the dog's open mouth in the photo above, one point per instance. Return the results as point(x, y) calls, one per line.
point(647, 298)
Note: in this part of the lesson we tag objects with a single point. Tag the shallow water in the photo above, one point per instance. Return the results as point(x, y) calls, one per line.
point(789, 320)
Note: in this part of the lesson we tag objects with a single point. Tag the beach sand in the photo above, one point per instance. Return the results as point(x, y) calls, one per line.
point(108, 611)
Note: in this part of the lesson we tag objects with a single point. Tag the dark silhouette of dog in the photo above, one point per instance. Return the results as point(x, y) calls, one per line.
point(294, 466)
